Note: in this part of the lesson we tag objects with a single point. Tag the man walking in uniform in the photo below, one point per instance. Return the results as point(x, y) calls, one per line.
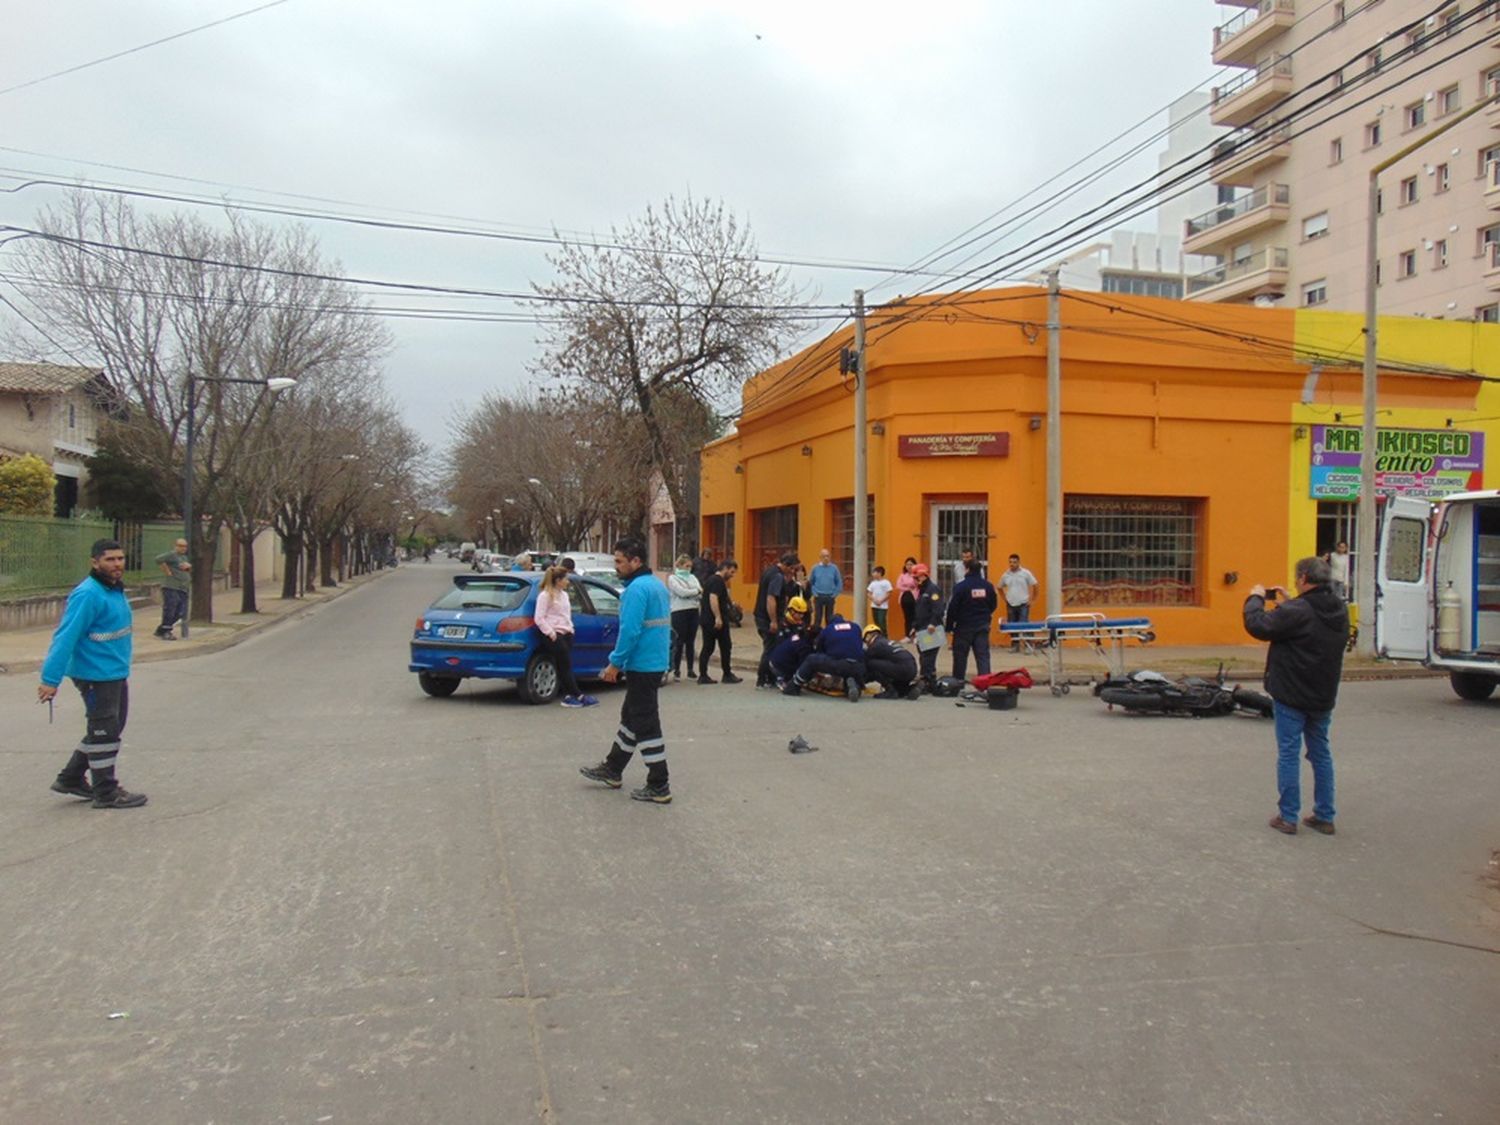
point(92, 644)
point(640, 653)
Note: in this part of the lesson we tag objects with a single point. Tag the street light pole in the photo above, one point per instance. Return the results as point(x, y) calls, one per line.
point(274, 386)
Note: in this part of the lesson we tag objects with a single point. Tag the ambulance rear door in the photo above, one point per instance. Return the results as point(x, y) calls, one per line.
point(1402, 599)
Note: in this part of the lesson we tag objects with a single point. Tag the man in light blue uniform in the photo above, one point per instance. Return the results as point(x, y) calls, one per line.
point(641, 655)
point(92, 644)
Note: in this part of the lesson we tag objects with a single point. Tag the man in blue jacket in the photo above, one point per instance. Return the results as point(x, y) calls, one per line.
point(971, 611)
point(839, 651)
point(827, 582)
point(92, 644)
point(641, 653)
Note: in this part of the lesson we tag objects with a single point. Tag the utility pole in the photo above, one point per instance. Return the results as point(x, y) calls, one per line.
point(1054, 444)
point(1365, 581)
point(861, 463)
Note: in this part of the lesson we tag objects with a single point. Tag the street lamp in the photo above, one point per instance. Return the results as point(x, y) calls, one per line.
point(275, 386)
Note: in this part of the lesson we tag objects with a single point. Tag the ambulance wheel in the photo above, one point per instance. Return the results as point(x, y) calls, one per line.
point(1473, 686)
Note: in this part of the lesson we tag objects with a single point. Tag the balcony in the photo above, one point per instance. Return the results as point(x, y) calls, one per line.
point(1238, 42)
point(1262, 274)
point(1492, 111)
point(1239, 158)
point(1243, 99)
point(1231, 222)
point(1492, 266)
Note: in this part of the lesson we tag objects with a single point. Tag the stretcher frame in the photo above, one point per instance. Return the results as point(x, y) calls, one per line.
point(1104, 636)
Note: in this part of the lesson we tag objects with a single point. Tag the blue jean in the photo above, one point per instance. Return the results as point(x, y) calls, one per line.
point(1293, 728)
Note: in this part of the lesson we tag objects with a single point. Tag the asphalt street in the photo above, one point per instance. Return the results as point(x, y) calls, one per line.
point(347, 902)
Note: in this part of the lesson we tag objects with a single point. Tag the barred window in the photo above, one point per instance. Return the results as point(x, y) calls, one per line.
point(843, 539)
point(718, 536)
point(774, 533)
point(1131, 550)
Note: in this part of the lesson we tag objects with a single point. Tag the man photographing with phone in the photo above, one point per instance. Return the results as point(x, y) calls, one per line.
point(1308, 633)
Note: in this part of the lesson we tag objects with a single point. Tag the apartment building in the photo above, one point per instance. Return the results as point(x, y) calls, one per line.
point(1326, 91)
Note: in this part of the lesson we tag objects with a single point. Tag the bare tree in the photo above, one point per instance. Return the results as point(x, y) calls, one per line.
point(674, 310)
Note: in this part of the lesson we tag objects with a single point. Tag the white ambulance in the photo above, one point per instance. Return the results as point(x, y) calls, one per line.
point(1438, 591)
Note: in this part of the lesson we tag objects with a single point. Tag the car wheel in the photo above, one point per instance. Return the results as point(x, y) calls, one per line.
point(539, 684)
point(1473, 686)
point(439, 687)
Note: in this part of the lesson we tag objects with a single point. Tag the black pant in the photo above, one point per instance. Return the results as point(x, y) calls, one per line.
point(928, 661)
point(768, 639)
point(896, 674)
point(640, 728)
point(560, 648)
point(823, 609)
point(712, 637)
point(173, 608)
point(977, 640)
point(106, 705)
point(908, 612)
point(822, 663)
point(684, 639)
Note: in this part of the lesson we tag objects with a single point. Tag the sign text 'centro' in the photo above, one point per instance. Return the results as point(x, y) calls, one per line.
point(990, 444)
point(1426, 464)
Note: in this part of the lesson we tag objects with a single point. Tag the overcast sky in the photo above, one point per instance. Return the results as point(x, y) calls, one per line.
point(870, 132)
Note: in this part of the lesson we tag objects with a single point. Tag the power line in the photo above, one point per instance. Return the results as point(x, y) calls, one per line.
point(141, 47)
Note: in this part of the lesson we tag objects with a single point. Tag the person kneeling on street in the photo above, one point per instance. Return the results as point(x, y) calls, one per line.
point(891, 666)
point(793, 647)
point(838, 652)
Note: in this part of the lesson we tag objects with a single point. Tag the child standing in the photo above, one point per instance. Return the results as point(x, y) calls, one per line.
point(879, 590)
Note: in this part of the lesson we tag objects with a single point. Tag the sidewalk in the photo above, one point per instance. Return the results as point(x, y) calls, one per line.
point(22, 650)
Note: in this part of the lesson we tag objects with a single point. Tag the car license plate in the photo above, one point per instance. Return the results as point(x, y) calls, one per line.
point(455, 632)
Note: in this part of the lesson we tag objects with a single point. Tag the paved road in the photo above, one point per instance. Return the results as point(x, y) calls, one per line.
point(349, 903)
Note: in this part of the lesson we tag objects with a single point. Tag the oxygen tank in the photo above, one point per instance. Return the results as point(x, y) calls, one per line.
point(1449, 606)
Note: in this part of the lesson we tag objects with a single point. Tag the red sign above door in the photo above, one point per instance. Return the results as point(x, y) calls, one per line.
point(990, 444)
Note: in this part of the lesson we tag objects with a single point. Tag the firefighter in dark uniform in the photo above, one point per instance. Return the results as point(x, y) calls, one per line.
point(794, 645)
point(929, 616)
point(890, 666)
point(839, 652)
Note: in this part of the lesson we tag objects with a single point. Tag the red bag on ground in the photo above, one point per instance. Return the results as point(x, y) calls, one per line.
point(1016, 678)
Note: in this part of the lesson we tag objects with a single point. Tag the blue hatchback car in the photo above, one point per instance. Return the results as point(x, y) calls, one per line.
point(485, 627)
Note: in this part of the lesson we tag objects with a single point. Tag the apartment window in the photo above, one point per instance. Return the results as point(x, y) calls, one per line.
point(1448, 101)
point(1406, 263)
point(1488, 238)
point(72, 416)
point(1415, 115)
point(1487, 314)
point(1488, 156)
point(1315, 292)
point(1372, 60)
point(1448, 22)
point(775, 531)
point(1131, 550)
point(1380, 201)
point(1336, 150)
point(842, 544)
point(1338, 13)
point(1441, 179)
point(1408, 190)
point(1489, 81)
point(1372, 134)
point(1315, 226)
point(1378, 273)
point(1440, 254)
point(1242, 253)
point(1414, 42)
point(718, 536)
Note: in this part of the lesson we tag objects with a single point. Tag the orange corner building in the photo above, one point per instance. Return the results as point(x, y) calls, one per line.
point(1204, 448)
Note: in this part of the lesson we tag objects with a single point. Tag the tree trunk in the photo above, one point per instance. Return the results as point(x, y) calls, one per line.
point(325, 563)
point(291, 551)
point(247, 576)
point(201, 597)
point(310, 566)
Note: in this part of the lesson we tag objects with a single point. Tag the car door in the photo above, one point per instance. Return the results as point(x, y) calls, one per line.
point(1402, 605)
point(596, 625)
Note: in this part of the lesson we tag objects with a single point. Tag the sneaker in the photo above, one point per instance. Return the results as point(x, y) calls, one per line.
point(914, 692)
point(119, 798)
point(731, 678)
point(1317, 825)
point(587, 701)
point(790, 688)
point(656, 794)
point(1282, 825)
point(852, 690)
point(707, 679)
point(572, 701)
point(80, 788)
point(603, 773)
point(169, 636)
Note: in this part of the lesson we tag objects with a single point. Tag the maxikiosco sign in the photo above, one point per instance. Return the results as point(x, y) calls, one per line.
point(1426, 464)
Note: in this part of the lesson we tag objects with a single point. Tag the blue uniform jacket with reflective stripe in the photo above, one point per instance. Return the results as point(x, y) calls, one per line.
point(92, 641)
point(645, 640)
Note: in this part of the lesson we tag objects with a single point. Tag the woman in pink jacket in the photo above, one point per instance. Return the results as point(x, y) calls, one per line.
point(554, 617)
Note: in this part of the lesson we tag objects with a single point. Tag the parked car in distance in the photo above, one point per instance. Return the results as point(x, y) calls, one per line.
point(485, 628)
point(465, 551)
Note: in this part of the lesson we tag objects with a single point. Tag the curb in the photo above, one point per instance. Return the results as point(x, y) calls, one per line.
point(218, 644)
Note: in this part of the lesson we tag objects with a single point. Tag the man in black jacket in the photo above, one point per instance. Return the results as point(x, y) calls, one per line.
point(928, 620)
point(1307, 634)
point(971, 610)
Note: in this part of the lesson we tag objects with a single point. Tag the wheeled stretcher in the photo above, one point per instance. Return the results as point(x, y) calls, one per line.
point(1105, 636)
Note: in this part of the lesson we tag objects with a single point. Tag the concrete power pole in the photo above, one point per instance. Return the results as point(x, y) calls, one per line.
point(861, 463)
point(1054, 445)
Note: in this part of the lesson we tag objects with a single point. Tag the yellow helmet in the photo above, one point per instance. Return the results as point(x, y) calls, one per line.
point(797, 605)
point(871, 628)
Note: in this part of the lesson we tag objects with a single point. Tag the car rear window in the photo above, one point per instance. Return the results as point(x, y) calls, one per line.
point(497, 593)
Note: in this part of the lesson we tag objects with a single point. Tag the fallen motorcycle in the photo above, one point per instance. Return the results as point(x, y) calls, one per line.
point(1151, 693)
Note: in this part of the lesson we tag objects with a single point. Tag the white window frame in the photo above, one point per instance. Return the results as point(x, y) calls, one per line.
point(1315, 292)
point(1315, 226)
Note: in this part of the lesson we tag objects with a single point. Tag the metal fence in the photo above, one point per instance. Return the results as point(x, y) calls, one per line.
point(40, 553)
